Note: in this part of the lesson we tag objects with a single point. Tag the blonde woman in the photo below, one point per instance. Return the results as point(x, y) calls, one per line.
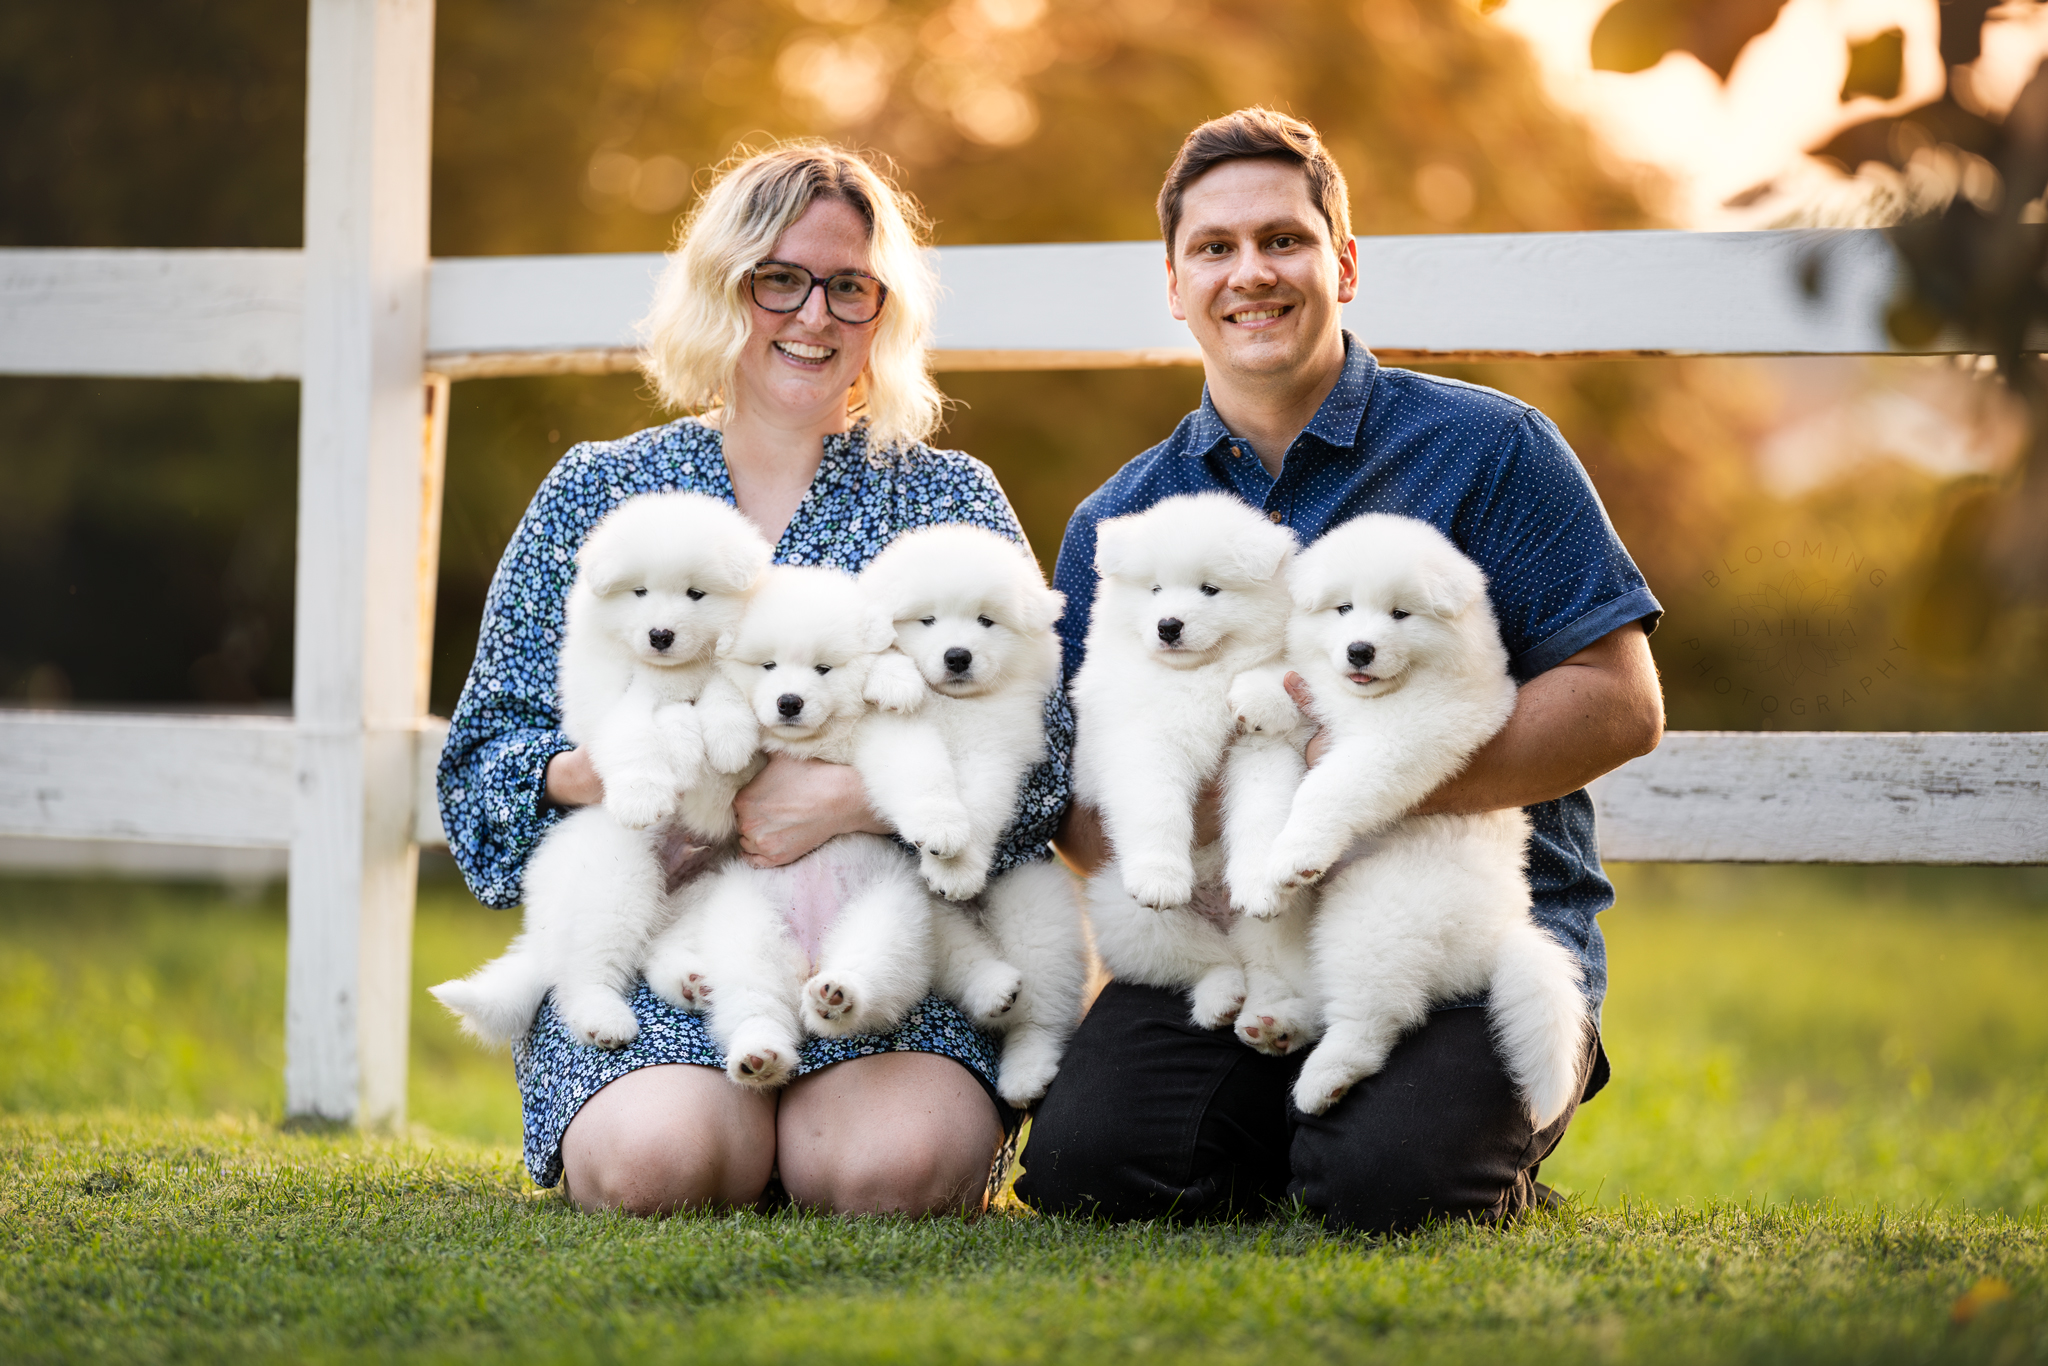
point(793, 316)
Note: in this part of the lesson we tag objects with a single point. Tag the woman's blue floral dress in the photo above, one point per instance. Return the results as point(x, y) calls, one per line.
point(507, 725)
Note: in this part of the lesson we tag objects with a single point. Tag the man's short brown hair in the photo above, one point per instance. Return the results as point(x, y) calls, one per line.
point(1249, 133)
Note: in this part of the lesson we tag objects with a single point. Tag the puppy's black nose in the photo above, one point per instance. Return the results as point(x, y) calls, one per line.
point(1169, 630)
point(1360, 653)
point(958, 659)
point(789, 704)
point(661, 637)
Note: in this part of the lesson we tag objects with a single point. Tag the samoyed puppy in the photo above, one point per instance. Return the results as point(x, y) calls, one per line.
point(943, 763)
point(1192, 595)
point(1393, 632)
point(658, 583)
point(838, 942)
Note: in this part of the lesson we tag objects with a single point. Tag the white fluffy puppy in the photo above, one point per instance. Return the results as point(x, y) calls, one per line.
point(838, 942)
point(659, 581)
point(1394, 634)
point(974, 619)
point(1192, 595)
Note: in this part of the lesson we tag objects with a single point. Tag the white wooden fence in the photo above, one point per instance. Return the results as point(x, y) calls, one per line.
point(374, 331)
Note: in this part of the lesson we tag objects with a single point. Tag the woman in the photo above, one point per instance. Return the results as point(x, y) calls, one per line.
point(795, 310)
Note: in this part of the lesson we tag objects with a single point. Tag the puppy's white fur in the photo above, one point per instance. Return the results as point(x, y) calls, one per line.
point(973, 617)
point(1395, 637)
point(1192, 594)
point(659, 581)
point(943, 761)
point(801, 657)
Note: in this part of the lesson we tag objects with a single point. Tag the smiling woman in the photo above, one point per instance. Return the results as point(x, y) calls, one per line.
point(792, 317)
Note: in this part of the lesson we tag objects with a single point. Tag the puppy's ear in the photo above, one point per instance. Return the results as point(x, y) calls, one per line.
point(744, 560)
point(602, 564)
point(1449, 584)
point(1036, 608)
point(1260, 552)
point(1116, 547)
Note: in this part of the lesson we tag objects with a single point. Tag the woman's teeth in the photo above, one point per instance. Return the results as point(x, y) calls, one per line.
point(803, 350)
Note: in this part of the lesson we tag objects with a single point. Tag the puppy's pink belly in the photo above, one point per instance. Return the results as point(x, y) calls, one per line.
point(817, 893)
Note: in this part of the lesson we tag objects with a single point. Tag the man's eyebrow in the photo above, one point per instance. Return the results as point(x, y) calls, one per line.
point(1299, 227)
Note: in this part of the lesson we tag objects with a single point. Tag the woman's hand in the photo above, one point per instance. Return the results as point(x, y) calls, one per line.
point(1297, 688)
point(794, 805)
point(572, 780)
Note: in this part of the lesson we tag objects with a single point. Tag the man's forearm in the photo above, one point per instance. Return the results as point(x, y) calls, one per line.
point(1588, 716)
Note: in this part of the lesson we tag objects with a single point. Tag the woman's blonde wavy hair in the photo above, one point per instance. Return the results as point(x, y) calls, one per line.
point(702, 314)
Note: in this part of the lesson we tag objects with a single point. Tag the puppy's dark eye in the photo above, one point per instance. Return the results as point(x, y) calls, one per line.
point(769, 665)
point(1400, 615)
point(1210, 590)
point(1342, 608)
point(823, 669)
point(927, 621)
point(639, 592)
point(1155, 588)
point(984, 621)
point(694, 594)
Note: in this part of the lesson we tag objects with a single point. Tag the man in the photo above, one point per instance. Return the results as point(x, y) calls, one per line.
point(1151, 1116)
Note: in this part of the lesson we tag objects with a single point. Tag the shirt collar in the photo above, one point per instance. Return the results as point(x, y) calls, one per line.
point(1337, 421)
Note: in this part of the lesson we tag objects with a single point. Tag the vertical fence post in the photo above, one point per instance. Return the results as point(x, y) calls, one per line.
point(363, 490)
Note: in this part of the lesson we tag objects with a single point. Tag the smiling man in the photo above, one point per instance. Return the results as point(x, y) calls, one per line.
point(1152, 1116)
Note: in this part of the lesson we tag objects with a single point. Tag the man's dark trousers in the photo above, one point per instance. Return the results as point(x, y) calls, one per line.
point(1152, 1117)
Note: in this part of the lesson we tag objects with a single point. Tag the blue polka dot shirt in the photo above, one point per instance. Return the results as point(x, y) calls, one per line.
point(508, 724)
point(1489, 471)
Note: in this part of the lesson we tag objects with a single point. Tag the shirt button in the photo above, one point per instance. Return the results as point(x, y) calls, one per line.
point(1272, 516)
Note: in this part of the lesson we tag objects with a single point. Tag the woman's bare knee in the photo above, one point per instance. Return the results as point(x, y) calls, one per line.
point(895, 1133)
point(669, 1138)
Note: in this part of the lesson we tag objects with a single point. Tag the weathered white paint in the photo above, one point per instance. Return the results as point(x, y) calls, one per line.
point(1053, 306)
point(203, 780)
point(1830, 797)
point(1703, 797)
point(195, 314)
point(356, 642)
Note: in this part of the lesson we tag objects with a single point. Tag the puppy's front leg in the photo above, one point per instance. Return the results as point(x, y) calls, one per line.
point(895, 685)
point(730, 731)
point(909, 776)
point(1149, 809)
point(1341, 799)
point(630, 754)
point(1260, 775)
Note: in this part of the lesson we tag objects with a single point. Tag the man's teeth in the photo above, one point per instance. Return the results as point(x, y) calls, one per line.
point(803, 350)
point(1257, 316)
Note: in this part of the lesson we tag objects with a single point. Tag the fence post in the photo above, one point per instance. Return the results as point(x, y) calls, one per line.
point(363, 493)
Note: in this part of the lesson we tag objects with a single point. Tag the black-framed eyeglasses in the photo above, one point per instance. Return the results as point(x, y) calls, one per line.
point(851, 296)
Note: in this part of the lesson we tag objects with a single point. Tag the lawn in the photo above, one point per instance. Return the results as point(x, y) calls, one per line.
point(1827, 1139)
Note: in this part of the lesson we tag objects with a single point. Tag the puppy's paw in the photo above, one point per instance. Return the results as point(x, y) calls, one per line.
point(1292, 868)
point(1262, 705)
point(1161, 886)
point(832, 1003)
point(954, 879)
point(686, 988)
point(941, 834)
point(761, 1055)
point(681, 738)
point(895, 685)
point(1255, 896)
point(729, 743)
point(639, 803)
point(1215, 1001)
point(1022, 1081)
point(598, 1018)
point(991, 993)
point(1322, 1083)
point(1277, 1028)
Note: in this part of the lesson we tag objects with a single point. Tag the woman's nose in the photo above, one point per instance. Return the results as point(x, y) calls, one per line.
point(814, 313)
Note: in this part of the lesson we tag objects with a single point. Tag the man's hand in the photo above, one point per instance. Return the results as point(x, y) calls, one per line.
point(794, 805)
point(572, 780)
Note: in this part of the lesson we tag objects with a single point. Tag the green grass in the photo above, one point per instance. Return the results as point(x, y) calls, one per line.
point(1829, 1121)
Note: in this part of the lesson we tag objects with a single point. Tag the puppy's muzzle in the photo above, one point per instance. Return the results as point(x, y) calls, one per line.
point(958, 660)
point(789, 705)
point(1360, 653)
point(1169, 630)
point(661, 637)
